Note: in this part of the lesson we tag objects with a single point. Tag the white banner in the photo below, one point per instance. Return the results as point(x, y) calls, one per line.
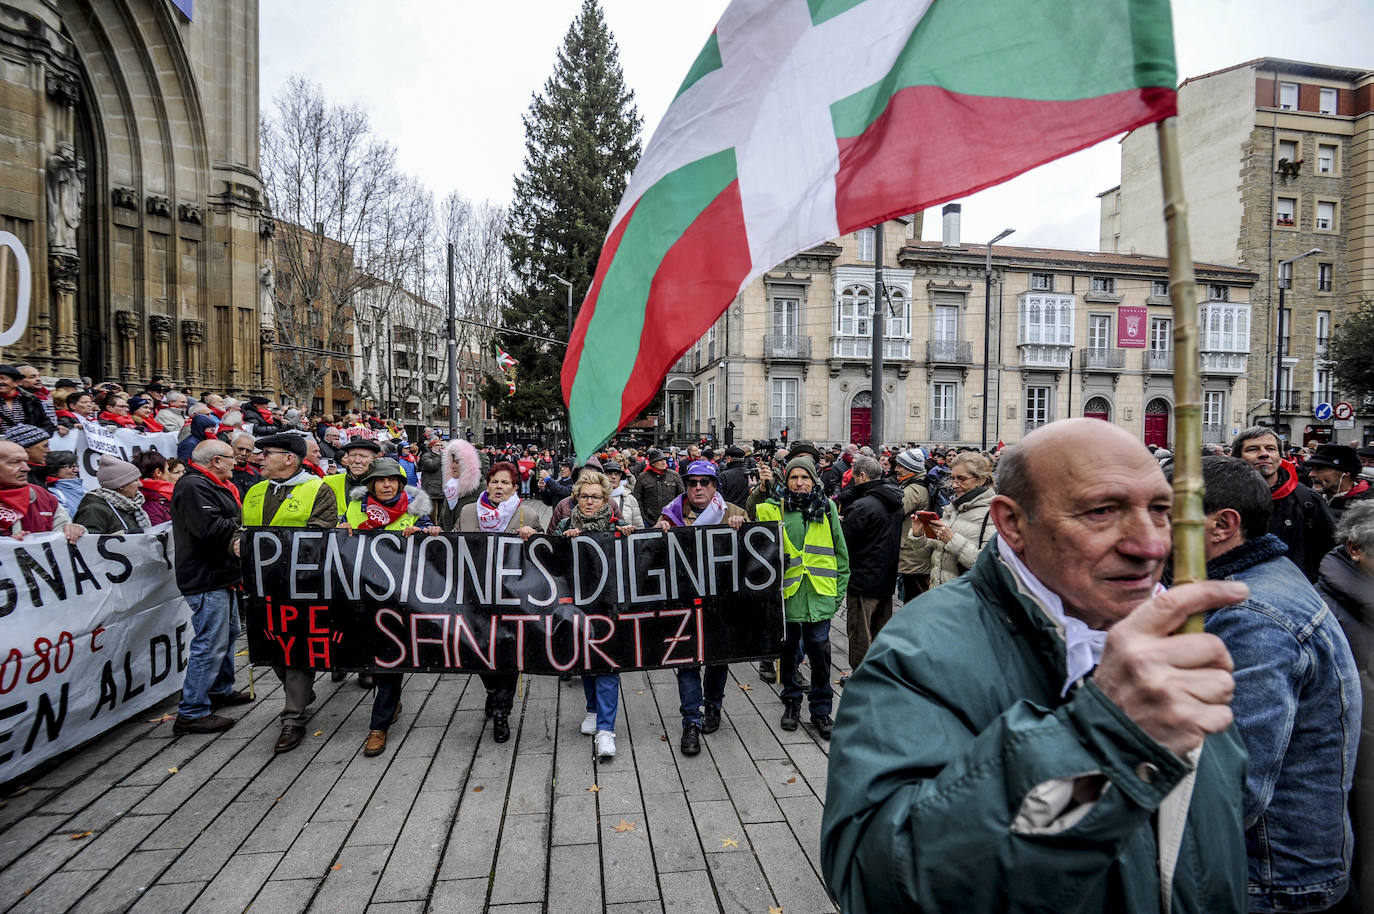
point(90, 635)
point(123, 443)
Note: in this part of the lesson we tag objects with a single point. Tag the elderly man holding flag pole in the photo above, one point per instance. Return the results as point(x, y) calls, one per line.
point(1096, 790)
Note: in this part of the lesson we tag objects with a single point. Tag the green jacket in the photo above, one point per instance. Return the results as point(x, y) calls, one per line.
point(951, 720)
point(806, 605)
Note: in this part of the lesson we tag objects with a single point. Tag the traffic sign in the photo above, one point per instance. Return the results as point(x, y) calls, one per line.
point(1345, 410)
point(1322, 412)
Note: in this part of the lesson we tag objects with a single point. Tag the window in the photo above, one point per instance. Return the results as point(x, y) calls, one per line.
point(696, 405)
point(784, 400)
point(1217, 292)
point(711, 405)
point(855, 306)
point(1099, 331)
point(1323, 384)
point(1159, 288)
point(1323, 278)
point(1284, 209)
point(1213, 407)
point(1327, 104)
point(1104, 284)
point(711, 344)
point(317, 405)
point(1326, 159)
point(1047, 319)
point(898, 324)
point(945, 323)
point(1288, 150)
point(1288, 96)
point(1161, 334)
point(785, 317)
point(1037, 407)
point(865, 239)
point(1323, 331)
point(942, 402)
point(1225, 328)
point(1042, 282)
point(1326, 215)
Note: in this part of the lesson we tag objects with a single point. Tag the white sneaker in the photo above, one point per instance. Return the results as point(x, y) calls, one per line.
point(589, 724)
point(605, 744)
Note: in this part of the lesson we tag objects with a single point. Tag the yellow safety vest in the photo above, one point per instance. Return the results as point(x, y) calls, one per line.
point(339, 483)
point(294, 512)
point(356, 516)
point(815, 559)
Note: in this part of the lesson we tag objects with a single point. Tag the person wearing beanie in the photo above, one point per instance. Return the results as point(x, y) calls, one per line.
point(815, 582)
point(63, 479)
point(117, 506)
point(1335, 471)
point(141, 411)
point(913, 561)
point(34, 441)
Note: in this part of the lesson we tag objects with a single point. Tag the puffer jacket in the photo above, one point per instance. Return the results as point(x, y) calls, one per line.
point(1350, 594)
point(953, 718)
point(967, 517)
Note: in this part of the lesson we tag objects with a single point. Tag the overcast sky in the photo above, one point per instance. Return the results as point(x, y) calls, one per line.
point(447, 83)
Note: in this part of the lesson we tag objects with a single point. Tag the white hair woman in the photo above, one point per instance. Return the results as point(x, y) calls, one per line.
point(956, 538)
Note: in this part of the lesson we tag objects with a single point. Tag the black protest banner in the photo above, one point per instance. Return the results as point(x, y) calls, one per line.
point(486, 602)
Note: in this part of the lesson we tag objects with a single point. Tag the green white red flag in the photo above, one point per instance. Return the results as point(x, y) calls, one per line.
point(802, 120)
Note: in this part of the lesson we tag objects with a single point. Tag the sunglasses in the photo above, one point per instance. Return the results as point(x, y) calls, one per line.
point(700, 483)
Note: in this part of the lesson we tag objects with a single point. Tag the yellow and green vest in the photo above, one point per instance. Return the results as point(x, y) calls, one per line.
point(815, 559)
point(356, 516)
point(294, 512)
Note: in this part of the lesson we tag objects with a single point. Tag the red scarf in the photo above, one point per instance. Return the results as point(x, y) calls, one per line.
point(233, 490)
point(159, 486)
point(66, 414)
point(14, 504)
point(1285, 488)
point(312, 468)
point(151, 425)
point(380, 515)
point(107, 416)
point(655, 470)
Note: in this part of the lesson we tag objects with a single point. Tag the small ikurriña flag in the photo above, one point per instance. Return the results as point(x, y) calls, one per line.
point(802, 120)
point(510, 388)
point(504, 360)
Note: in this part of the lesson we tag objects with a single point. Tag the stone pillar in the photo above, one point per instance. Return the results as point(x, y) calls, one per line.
point(161, 356)
point(126, 322)
point(193, 336)
point(267, 335)
point(66, 188)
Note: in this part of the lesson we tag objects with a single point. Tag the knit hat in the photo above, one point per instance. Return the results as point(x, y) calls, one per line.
point(25, 435)
point(115, 473)
point(701, 468)
point(1338, 456)
point(912, 459)
point(803, 461)
point(137, 403)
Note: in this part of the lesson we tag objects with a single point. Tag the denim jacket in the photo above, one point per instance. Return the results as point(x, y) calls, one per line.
point(1297, 706)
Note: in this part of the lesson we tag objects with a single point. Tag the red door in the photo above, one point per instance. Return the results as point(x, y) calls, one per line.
point(860, 424)
point(1157, 423)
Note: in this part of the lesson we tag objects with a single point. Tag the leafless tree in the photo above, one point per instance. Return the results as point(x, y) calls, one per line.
point(481, 271)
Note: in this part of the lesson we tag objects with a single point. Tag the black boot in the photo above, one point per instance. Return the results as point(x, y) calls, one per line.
point(365, 680)
point(500, 726)
point(710, 721)
point(338, 675)
point(691, 739)
point(767, 672)
point(791, 715)
point(823, 724)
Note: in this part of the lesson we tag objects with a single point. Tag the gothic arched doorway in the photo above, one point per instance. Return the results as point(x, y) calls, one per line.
point(1157, 422)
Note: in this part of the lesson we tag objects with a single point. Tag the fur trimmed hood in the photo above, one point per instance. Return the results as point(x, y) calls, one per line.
point(420, 503)
point(462, 463)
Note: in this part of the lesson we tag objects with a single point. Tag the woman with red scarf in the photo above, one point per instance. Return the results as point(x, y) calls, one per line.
point(156, 486)
point(384, 502)
point(141, 415)
point(116, 411)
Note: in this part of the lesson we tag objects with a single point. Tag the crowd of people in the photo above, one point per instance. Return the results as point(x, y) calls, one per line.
point(1007, 607)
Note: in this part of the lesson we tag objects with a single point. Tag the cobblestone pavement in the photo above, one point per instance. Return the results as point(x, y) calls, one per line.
point(446, 820)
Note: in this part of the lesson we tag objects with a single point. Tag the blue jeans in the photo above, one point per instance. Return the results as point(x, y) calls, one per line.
point(689, 690)
point(603, 697)
point(210, 664)
point(815, 638)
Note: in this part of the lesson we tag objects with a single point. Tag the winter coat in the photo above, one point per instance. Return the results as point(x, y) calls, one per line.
point(734, 482)
point(419, 507)
point(432, 473)
point(26, 409)
point(911, 558)
point(1303, 521)
point(171, 419)
point(653, 492)
point(873, 532)
point(206, 519)
point(946, 729)
point(1350, 594)
point(463, 465)
point(98, 516)
point(972, 527)
point(202, 427)
point(157, 506)
point(467, 518)
point(627, 506)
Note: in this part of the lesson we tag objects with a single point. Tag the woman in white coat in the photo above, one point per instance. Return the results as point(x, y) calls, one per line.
point(956, 539)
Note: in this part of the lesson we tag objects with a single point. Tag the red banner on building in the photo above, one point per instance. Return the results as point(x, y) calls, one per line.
point(1132, 325)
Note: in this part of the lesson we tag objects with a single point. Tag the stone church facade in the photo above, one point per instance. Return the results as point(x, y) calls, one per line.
point(130, 179)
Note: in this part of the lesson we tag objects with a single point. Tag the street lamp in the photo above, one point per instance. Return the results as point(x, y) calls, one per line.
point(987, 326)
point(1285, 279)
point(570, 290)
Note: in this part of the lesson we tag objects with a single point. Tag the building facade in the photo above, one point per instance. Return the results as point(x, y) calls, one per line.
point(1278, 161)
point(130, 182)
point(1069, 333)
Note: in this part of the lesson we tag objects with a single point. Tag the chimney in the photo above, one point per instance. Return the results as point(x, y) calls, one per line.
point(951, 228)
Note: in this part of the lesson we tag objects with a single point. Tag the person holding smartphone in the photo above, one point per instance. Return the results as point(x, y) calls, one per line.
point(954, 540)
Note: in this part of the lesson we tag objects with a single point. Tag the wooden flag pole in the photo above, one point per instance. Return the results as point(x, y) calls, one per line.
point(1190, 560)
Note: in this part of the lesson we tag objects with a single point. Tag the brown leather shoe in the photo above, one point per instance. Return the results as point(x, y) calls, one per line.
point(376, 742)
point(210, 723)
point(291, 736)
point(236, 697)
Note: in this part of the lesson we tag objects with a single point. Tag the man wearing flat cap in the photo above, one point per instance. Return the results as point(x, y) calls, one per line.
point(290, 496)
point(1335, 470)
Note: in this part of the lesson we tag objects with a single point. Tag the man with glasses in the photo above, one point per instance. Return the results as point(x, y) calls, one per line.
point(245, 474)
point(206, 522)
point(700, 505)
point(290, 496)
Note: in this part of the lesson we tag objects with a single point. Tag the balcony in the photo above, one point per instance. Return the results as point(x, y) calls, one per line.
point(944, 430)
point(1040, 355)
point(1111, 359)
point(684, 365)
point(1159, 360)
point(1290, 401)
point(786, 346)
point(1214, 434)
point(949, 352)
point(1323, 345)
point(1223, 362)
point(861, 347)
point(777, 423)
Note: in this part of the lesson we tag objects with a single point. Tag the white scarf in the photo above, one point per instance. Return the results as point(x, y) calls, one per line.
point(494, 519)
point(712, 513)
point(620, 491)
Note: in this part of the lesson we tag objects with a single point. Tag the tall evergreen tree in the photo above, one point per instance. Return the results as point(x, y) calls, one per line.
point(581, 144)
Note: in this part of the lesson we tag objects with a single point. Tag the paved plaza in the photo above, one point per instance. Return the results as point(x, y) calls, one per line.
point(446, 820)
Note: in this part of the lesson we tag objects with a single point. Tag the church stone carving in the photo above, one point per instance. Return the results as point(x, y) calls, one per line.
point(124, 198)
point(159, 205)
point(193, 331)
point(63, 88)
point(63, 269)
point(127, 323)
point(66, 189)
point(189, 212)
point(161, 325)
